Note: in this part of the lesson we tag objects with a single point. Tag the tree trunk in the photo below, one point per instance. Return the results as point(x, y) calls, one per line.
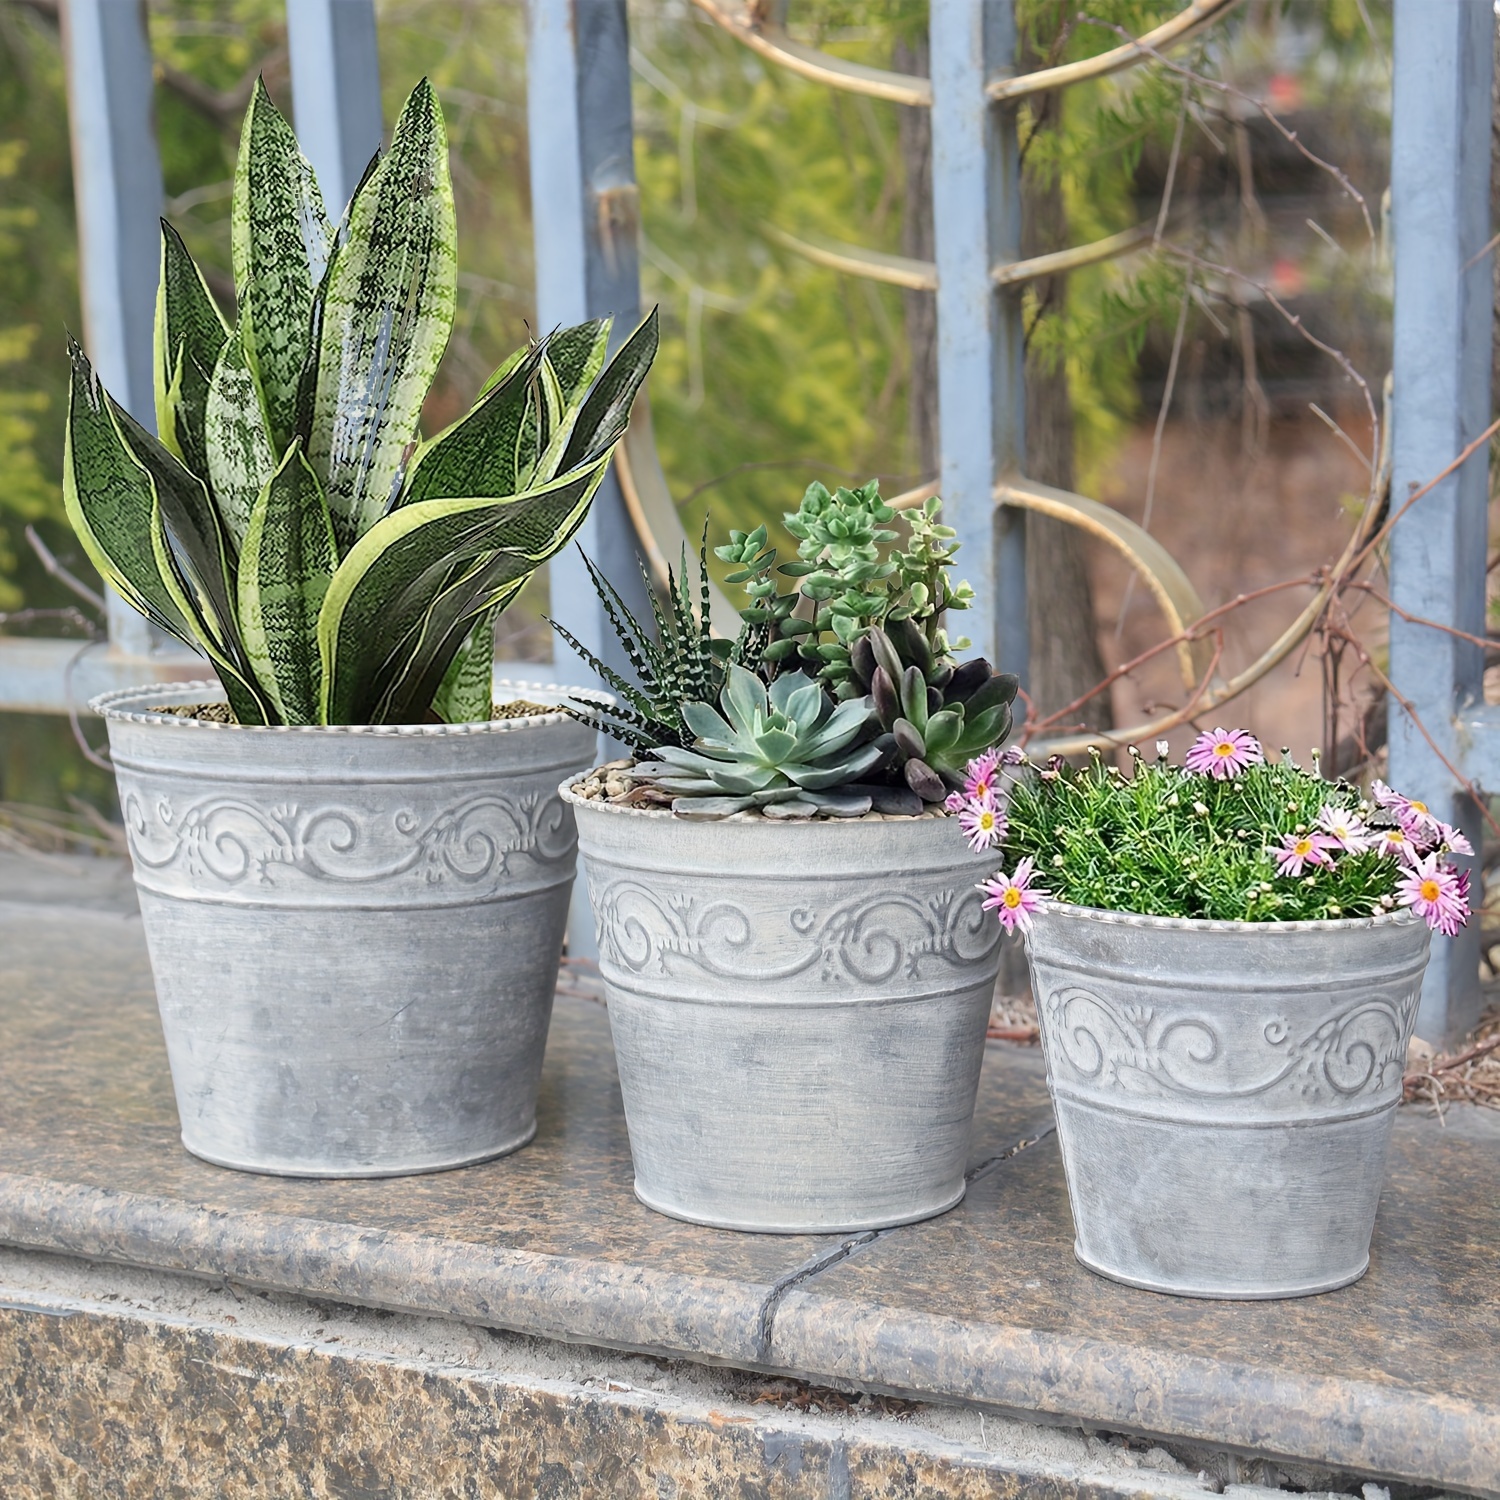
point(1065, 659)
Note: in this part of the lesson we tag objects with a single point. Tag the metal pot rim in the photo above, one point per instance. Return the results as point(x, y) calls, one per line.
point(735, 820)
point(113, 705)
point(1404, 917)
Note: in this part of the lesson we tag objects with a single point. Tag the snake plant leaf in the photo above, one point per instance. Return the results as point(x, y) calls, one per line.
point(190, 332)
point(467, 693)
point(385, 584)
point(386, 314)
point(606, 410)
point(444, 632)
point(577, 355)
point(280, 242)
point(247, 702)
point(286, 565)
point(109, 500)
point(240, 460)
point(503, 369)
point(477, 454)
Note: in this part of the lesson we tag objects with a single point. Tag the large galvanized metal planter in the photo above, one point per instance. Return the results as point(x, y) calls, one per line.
point(354, 931)
point(798, 1012)
point(1224, 1091)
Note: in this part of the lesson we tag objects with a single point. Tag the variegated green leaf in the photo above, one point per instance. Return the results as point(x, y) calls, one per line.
point(476, 456)
point(109, 501)
point(386, 585)
point(190, 332)
point(386, 313)
point(606, 409)
point(286, 566)
point(577, 354)
point(240, 459)
point(445, 630)
point(467, 692)
point(280, 238)
point(504, 368)
point(247, 701)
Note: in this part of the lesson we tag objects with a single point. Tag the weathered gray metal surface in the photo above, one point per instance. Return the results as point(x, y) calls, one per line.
point(976, 213)
point(798, 1012)
point(335, 90)
point(585, 220)
point(1440, 193)
point(117, 189)
point(1225, 1091)
point(354, 931)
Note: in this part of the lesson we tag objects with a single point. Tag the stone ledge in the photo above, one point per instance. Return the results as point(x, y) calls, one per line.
point(1397, 1377)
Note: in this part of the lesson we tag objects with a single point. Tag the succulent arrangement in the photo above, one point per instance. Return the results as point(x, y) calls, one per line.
point(289, 521)
point(1230, 835)
point(838, 697)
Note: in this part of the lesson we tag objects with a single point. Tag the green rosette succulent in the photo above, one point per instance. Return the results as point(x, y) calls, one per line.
point(786, 749)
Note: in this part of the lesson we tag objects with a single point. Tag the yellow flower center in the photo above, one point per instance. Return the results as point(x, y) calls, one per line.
point(1431, 890)
point(1304, 846)
point(1419, 807)
point(1012, 896)
point(981, 789)
point(1224, 747)
point(1395, 836)
point(986, 820)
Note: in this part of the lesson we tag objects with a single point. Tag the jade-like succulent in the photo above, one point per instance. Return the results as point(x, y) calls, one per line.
point(786, 749)
point(940, 714)
point(289, 521)
point(851, 575)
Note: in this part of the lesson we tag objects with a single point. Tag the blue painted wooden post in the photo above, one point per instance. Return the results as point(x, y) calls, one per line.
point(335, 91)
point(585, 214)
point(1440, 185)
point(118, 190)
point(976, 211)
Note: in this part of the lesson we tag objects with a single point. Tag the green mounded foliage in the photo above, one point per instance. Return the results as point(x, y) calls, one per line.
point(1171, 843)
point(290, 522)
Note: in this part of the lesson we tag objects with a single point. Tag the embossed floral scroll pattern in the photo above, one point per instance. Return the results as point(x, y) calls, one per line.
point(234, 842)
point(869, 939)
point(1148, 1051)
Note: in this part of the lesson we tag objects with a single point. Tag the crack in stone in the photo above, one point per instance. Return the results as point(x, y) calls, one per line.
point(766, 1319)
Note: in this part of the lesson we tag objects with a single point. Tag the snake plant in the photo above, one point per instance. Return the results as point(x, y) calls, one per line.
point(288, 520)
point(789, 744)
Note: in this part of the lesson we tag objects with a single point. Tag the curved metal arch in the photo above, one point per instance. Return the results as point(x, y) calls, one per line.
point(1185, 24)
point(772, 43)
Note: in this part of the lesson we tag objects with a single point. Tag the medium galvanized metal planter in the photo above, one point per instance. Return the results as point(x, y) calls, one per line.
point(798, 1012)
point(1225, 1091)
point(354, 931)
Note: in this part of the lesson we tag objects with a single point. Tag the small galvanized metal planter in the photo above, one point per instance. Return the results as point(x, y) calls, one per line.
point(1224, 1091)
point(354, 931)
point(798, 1012)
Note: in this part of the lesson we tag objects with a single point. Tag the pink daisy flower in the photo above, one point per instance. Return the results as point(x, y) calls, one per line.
point(1223, 753)
point(1345, 829)
point(1298, 850)
point(1013, 898)
point(1451, 839)
point(982, 822)
point(955, 802)
point(1395, 844)
point(980, 776)
point(1437, 893)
